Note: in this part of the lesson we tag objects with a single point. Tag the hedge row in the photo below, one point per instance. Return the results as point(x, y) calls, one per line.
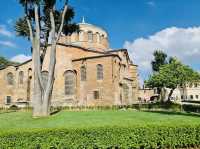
point(138, 106)
point(168, 106)
point(104, 138)
point(192, 101)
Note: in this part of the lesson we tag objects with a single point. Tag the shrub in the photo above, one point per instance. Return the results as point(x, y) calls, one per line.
point(191, 108)
point(168, 106)
point(105, 138)
point(192, 101)
point(13, 107)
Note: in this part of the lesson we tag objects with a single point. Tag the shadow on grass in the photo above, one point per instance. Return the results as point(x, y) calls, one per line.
point(174, 113)
point(55, 112)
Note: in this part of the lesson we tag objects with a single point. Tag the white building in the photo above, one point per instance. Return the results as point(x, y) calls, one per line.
point(191, 92)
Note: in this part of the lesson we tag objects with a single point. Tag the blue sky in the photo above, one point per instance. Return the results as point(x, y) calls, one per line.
point(133, 24)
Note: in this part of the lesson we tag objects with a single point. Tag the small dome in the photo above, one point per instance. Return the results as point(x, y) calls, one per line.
point(95, 29)
point(90, 36)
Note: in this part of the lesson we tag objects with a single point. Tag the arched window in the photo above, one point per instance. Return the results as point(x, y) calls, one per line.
point(29, 84)
point(70, 83)
point(68, 37)
point(196, 85)
point(45, 78)
point(98, 37)
point(83, 73)
point(81, 35)
point(10, 79)
point(101, 38)
point(126, 91)
point(21, 77)
point(96, 95)
point(76, 36)
point(90, 36)
point(99, 72)
point(190, 85)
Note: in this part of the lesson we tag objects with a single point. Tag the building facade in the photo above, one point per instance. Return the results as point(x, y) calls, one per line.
point(147, 95)
point(190, 92)
point(87, 73)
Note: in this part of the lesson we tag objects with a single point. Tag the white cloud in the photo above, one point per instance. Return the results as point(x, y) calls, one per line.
point(8, 44)
point(5, 32)
point(151, 3)
point(20, 58)
point(184, 43)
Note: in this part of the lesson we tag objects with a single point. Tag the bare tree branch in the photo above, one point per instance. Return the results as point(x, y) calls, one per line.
point(37, 23)
point(53, 27)
point(52, 62)
point(30, 30)
point(62, 22)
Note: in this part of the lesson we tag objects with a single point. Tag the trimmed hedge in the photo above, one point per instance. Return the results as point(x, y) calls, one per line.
point(167, 106)
point(104, 138)
point(192, 101)
point(138, 106)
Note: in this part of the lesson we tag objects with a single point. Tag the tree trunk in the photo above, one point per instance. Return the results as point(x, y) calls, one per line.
point(37, 91)
point(41, 98)
point(42, 94)
point(170, 94)
point(162, 94)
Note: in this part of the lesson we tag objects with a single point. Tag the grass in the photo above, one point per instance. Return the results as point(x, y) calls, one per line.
point(91, 119)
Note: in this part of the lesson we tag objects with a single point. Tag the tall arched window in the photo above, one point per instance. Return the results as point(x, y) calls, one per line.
point(98, 37)
point(70, 83)
point(83, 73)
point(21, 77)
point(76, 36)
point(101, 38)
point(99, 72)
point(90, 36)
point(45, 78)
point(10, 79)
point(68, 38)
point(29, 84)
point(126, 91)
point(81, 35)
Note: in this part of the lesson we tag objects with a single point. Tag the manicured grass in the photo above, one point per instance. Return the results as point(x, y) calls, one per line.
point(93, 119)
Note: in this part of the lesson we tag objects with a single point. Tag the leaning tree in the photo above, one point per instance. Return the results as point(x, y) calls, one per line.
point(43, 24)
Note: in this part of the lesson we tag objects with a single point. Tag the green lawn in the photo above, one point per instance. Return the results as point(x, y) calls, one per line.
point(87, 119)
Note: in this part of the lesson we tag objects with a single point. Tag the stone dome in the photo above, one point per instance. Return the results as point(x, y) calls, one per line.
point(90, 36)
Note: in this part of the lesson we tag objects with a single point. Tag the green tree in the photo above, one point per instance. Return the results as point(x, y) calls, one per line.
point(173, 75)
point(43, 24)
point(159, 60)
point(5, 62)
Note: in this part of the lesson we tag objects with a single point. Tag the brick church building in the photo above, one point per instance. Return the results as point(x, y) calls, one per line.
point(87, 73)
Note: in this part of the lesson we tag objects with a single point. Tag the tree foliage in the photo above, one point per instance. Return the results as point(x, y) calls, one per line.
point(21, 26)
point(159, 60)
point(4, 62)
point(173, 75)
